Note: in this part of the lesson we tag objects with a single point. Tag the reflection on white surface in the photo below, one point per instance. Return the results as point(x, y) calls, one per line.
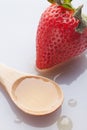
point(18, 24)
point(17, 121)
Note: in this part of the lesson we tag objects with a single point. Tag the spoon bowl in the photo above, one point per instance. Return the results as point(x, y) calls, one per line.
point(35, 95)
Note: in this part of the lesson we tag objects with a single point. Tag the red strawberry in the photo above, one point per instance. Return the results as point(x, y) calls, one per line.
point(61, 35)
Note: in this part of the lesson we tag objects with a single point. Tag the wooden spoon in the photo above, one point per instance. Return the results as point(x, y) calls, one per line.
point(35, 95)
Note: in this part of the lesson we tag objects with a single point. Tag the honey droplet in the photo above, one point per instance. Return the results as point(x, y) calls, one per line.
point(64, 123)
point(72, 103)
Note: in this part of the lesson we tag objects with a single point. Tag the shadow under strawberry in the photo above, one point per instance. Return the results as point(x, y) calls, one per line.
point(71, 71)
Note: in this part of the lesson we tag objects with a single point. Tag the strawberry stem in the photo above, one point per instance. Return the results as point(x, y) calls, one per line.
point(59, 2)
point(55, 1)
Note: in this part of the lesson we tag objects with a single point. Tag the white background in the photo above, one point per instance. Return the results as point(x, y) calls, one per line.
point(18, 24)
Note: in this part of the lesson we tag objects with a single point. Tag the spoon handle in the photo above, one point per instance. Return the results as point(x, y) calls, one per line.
point(8, 76)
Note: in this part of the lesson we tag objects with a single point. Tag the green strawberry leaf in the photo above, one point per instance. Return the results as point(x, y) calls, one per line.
point(68, 6)
point(51, 1)
point(82, 19)
point(67, 1)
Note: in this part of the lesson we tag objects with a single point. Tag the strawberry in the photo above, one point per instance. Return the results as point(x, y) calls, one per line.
point(61, 34)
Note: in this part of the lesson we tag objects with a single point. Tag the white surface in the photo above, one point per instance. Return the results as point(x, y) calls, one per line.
point(18, 24)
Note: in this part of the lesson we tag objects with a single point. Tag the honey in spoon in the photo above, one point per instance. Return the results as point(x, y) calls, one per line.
point(34, 95)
